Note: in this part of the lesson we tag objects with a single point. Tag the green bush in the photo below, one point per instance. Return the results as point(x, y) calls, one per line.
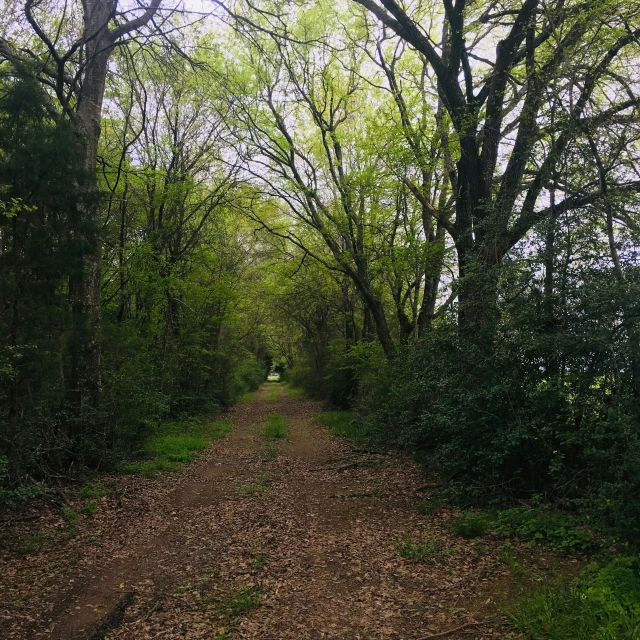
point(603, 604)
point(525, 415)
point(561, 531)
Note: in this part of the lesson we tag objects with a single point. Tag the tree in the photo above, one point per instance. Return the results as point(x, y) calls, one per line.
point(508, 146)
point(70, 53)
point(311, 137)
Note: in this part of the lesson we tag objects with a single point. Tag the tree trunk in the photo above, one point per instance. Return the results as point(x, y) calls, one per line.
point(86, 286)
point(477, 295)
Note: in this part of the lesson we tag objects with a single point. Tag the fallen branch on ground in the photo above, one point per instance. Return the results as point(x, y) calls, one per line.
point(442, 634)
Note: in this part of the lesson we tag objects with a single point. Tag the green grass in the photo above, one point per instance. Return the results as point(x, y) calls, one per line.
point(602, 604)
point(561, 531)
point(408, 549)
point(89, 509)
point(341, 423)
point(32, 543)
point(93, 490)
point(505, 555)
point(149, 468)
point(176, 448)
point(260, 561)
point(259, 486)
point(471, 525)
point(431, 506)
point(175, 443)
point(270, 453)
point(244, 600)
point(209, 429)
point(275, 427)
point(296, 394)
point(273, 394)
point(71, 519)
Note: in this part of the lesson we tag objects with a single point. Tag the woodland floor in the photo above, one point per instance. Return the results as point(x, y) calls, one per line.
point(243, 543)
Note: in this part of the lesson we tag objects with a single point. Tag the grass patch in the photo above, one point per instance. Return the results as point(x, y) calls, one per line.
point(93, 490)
point(32, 543)
point(89, 509)
point(561, 531)
point(196, 427)
point(149, 468)
point(505, 555)
point(409, 549)
point(260, 561)
point(248, 396)
point(177, 442)
point(275, 427)
point(176, 448)
point(431, 506)
point(341, 423)
point(270, 453)
point(471, 525)
point(71, 519)
point(273, 394)
point(244, 600)
point(296, 394)
point(260, 485)
point(602, 604)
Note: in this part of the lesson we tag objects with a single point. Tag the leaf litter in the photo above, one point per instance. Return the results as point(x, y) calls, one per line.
point(314, 553)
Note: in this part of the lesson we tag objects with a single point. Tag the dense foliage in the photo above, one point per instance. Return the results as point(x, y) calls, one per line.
point(426, 211)
point(174, 308)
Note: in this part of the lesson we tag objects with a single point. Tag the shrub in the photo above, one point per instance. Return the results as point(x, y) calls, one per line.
point(603, 604)
point(561, 531)
point(525, 414)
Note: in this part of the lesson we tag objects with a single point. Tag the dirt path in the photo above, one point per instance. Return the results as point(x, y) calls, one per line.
point(250, 542)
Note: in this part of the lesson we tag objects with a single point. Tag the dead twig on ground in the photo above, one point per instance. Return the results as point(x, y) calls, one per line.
point(448, 632)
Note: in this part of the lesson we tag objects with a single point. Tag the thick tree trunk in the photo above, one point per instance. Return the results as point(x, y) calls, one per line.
point(477, 294)
point(86, 287)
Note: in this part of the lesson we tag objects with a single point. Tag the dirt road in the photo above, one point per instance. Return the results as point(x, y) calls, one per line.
point(290, 539)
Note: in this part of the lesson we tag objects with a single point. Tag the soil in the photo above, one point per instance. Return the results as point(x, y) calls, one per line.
point(250, 542)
